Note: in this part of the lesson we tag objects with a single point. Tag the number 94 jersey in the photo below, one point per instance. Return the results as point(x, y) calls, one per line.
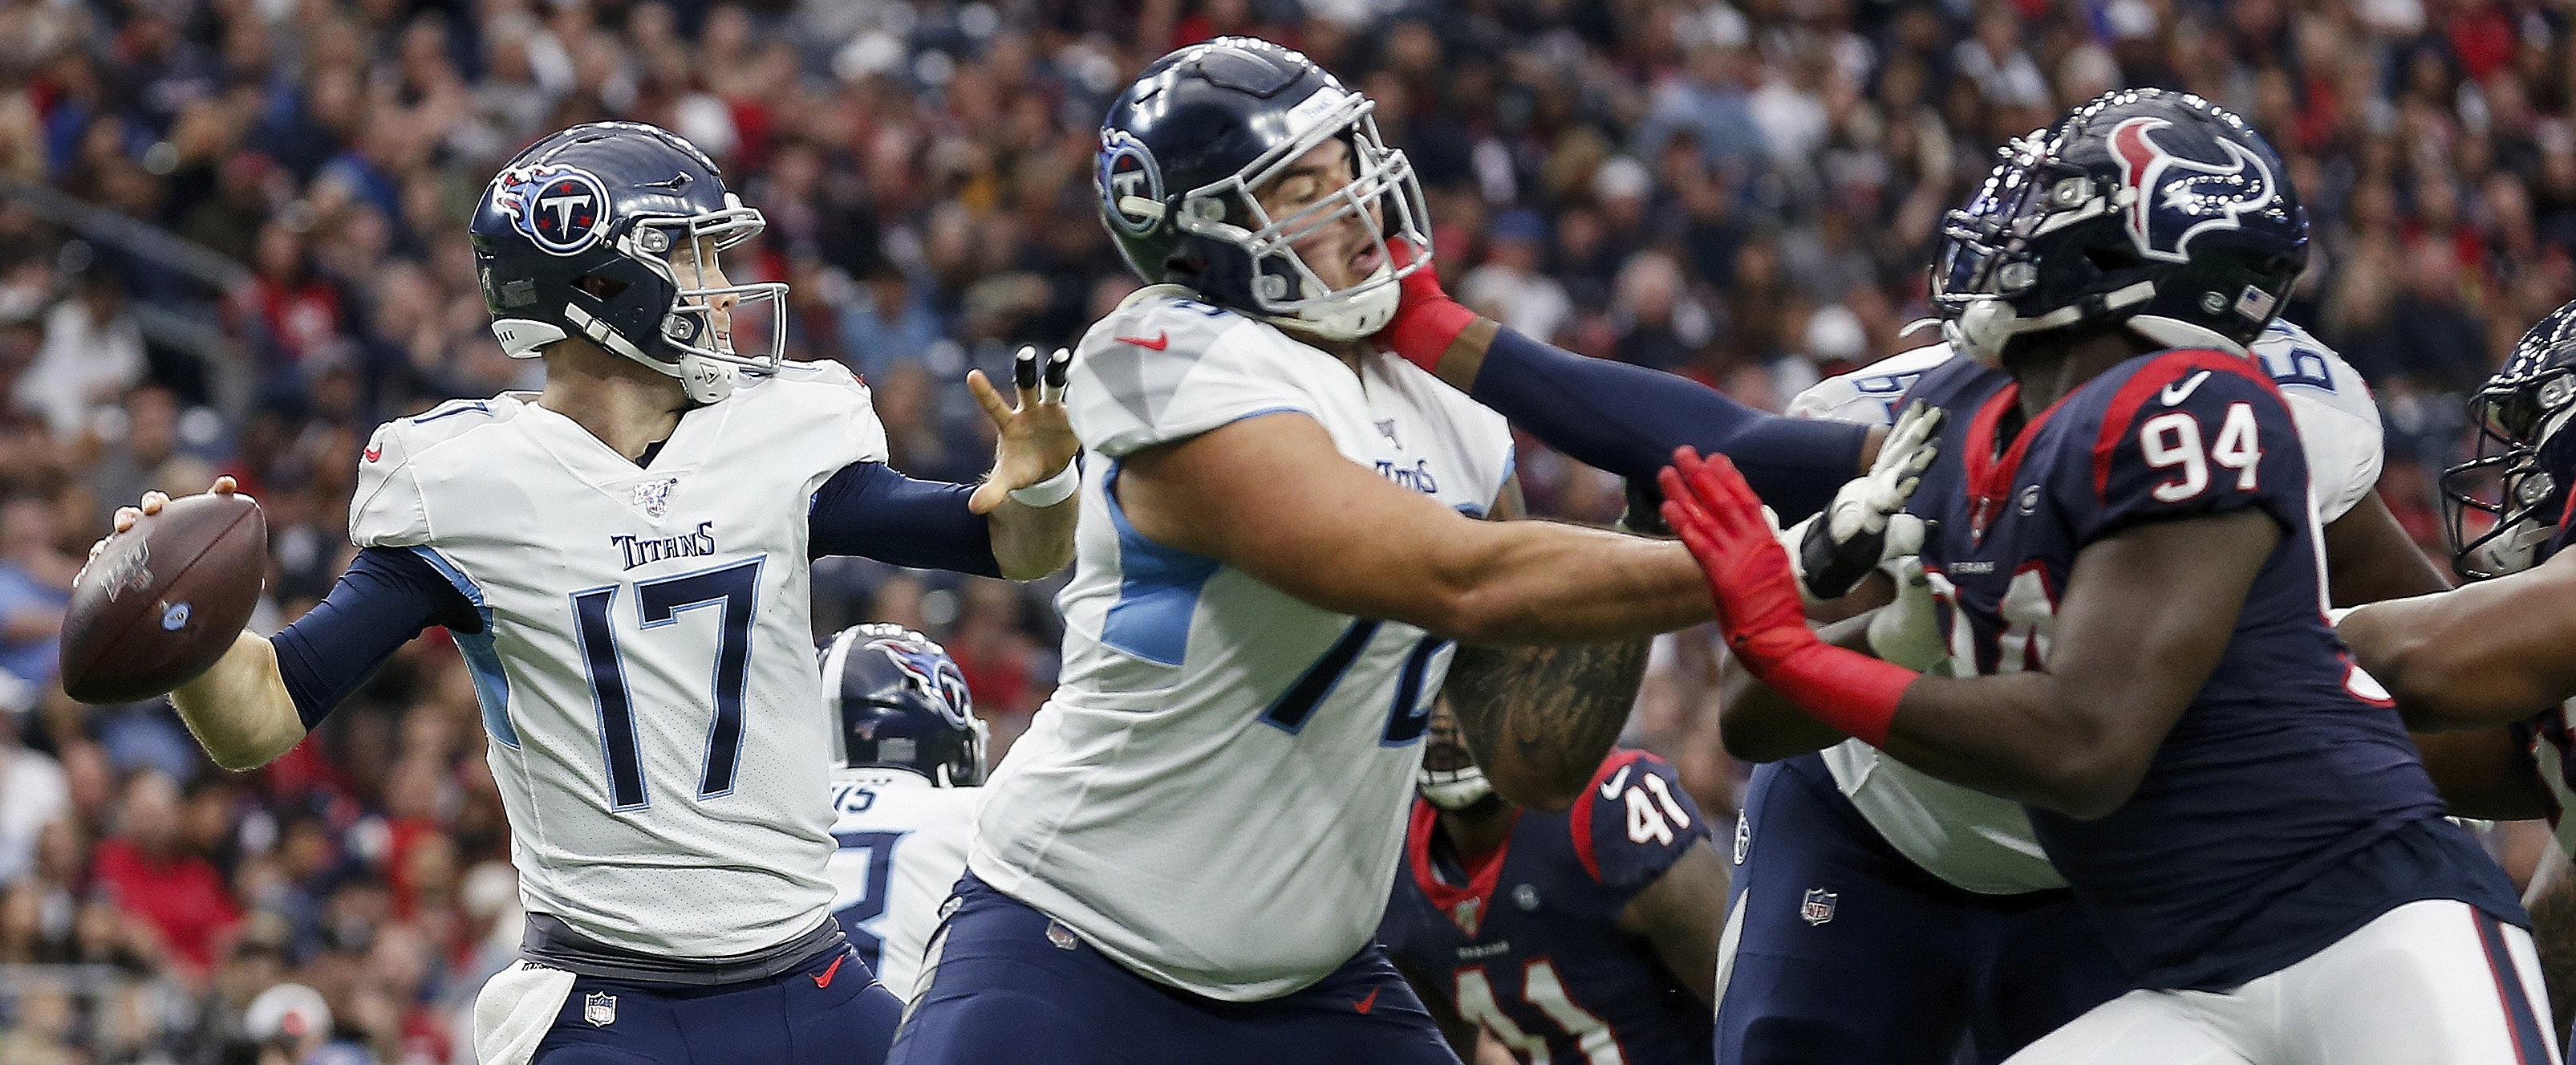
point(646, 666)
point(2287, 805)
point(1526, 943)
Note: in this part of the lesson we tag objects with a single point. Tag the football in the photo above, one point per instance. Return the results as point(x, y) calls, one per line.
point(164, 599)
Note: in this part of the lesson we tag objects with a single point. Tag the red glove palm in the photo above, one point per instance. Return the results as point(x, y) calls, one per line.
point(1426, 321)
point(1719, 518)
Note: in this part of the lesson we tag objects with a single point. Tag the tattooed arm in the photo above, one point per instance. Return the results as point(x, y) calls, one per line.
point(1540, 719)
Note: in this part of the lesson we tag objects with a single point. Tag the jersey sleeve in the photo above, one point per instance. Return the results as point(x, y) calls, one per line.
point(2194, 433)
point(1165, 368)
point(388, 508)
point(844, 403)
point(1634, 822)
point(1869, 395)
point(2338, 422)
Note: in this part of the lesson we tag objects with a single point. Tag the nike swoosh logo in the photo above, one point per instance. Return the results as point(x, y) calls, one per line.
point(375, 452)
point(1161, 340)
point(1610, 787)
point(2182, 390)
point(1365, 1004)
point(825, 980)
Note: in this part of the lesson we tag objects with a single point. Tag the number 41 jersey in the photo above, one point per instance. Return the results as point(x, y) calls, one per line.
point(646, 665)
point(2287, 806)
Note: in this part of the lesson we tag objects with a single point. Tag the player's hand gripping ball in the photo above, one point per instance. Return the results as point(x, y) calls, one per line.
point(1034, 439)
point(163, 597)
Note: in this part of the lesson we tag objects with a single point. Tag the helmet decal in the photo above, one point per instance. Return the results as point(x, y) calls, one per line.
point(2217, 194)
point(563, 209)
point(931, 672)
point(1127, 169)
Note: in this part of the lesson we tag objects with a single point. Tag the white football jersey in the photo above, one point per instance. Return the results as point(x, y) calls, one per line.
point(1977, 841)
point(903, 846)
point(646, 668)
point(1216, 794)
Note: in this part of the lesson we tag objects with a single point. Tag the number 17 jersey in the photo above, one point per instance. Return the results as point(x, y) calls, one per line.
point(646, 669)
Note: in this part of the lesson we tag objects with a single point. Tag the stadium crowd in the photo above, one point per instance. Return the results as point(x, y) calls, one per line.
point(1741, 193)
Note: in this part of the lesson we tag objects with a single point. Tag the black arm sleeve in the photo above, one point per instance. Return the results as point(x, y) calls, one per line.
point(869, 510)
point(388, 595)
point(1628, 419)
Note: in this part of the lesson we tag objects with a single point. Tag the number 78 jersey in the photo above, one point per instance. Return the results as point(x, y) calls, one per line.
point(646, 668)
point(2288, 763)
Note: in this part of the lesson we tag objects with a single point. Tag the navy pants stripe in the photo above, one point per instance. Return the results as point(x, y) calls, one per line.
point(828, 1011)
point(1006, 983)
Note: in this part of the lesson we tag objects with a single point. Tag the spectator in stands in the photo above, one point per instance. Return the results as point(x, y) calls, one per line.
point(147, 874)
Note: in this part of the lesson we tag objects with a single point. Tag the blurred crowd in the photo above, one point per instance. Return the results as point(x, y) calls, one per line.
point(231, 241)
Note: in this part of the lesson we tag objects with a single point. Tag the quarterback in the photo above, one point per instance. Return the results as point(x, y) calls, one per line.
point(623, 561)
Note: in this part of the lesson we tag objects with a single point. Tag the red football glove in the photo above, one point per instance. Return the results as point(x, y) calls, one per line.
point(1427, 321)
point(1719, 518)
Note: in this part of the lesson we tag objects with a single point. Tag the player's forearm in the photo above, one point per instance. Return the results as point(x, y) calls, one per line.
point(239, 710)
point(1758, 724)
point(2022, 736)
point(1536, 582)
point(2450, 664)
point(1540, 719)
point(1628, 419)
point(1031, 542)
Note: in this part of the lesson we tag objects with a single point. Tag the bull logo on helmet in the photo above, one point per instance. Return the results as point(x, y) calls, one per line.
point(563, 209)
point(2214, 194)
point(1127, 171)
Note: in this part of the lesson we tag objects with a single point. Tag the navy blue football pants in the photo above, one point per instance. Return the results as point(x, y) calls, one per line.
point(828, 1011)
point(1849, 952)
point(1001, 989)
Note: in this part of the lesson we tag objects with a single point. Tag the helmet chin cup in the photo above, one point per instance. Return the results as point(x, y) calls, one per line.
point(705, 380)
point(1362, 310)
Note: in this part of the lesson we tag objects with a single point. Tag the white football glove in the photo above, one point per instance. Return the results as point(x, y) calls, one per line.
point(1907, 632)
point(1866, 524)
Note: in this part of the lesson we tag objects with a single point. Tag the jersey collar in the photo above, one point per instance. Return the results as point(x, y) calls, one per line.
point(1466, 904)
point(1990, 476)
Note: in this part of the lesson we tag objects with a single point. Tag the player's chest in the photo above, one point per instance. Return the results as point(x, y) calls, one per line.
point(1407, 439)
point(2005, 540)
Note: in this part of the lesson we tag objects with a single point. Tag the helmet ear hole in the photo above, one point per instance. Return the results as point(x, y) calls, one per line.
point(2112, 260)
point(600, 288)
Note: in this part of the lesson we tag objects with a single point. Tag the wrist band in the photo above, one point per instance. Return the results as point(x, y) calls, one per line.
point(1423, 333)
point(1051, 491)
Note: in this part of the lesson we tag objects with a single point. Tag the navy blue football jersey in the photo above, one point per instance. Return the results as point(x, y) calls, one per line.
point(2287, 806)
point(1528, 946)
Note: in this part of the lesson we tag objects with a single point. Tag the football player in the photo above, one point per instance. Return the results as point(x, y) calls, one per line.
point(623, 561)
point(1186, 856)
point(911, 756)
point(2134, 593)
point(1956, 927)
point(1585, 935)
point(2496, 649)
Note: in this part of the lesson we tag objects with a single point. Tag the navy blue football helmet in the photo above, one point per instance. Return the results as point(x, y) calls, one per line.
point(578, 236)
point(2158, 210)
point(2525, 462)
point(1186, 145)
point(903, 704)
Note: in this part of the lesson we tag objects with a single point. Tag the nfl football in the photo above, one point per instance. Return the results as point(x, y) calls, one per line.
point(164, 599)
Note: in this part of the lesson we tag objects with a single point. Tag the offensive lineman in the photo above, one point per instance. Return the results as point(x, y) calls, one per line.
point(1564, 936)
point(1186, 856)
point(2139, 651)
point(623, 561)
point(906, 793)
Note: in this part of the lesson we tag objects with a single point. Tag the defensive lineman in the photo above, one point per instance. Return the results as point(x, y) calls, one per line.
point(910, 753)
point(2138, 648)
point(623, 561)
point(1186, 856)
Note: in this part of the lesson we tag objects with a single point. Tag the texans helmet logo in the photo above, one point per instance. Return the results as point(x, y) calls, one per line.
point(564, 209)
point(2207, 196)
point(936, 676)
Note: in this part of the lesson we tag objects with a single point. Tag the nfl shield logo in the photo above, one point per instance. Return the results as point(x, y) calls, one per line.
point(1466, 916)
point(599, 1009)
point(1818, 906)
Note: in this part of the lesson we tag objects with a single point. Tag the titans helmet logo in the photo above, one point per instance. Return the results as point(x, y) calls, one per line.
point(564, 209)
point(1127, 170)
point(933, 674)
point(2196, 196)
